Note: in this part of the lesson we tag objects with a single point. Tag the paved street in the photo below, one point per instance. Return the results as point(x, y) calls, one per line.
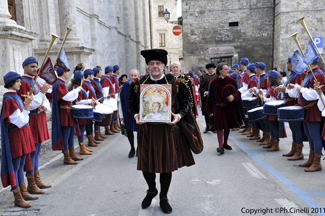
point(244, 179)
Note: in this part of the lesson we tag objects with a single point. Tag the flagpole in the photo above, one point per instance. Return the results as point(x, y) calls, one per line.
point(47, 52)
point(294, 36)
point(67, 31)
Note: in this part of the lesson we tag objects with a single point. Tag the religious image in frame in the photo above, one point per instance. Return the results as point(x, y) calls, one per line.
point(155, 103)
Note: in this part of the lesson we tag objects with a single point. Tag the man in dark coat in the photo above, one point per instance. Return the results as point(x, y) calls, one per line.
point(205, 79)
point(161, 146)
point(125, 116)
point(221, 104)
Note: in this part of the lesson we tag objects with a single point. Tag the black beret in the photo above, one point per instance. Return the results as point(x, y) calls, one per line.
point(210, 65)
point(155, 54)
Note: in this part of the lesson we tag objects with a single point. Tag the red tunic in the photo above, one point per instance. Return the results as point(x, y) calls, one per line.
point(246, 78)
point(273, 94)
point(88, 89)
point(224, 116)
point(313, 114)
point(97, 90)
point(107, 83)
point(252, 82)
point(37, 122)
point(298, 80)
point(264, 82)
point(65, 116)
point(114, 80)
point(21, 139)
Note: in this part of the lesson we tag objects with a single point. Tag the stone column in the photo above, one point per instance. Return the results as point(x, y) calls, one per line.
point(68, 18)
point(4, 14)
point(44, 22)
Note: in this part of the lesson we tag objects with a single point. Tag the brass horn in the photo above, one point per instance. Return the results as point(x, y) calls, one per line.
point(295, 37)
point(53, 38)
point(67, 31)
point(303, 23)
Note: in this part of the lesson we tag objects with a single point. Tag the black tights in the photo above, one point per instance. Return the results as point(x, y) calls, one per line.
point(165, 179)
point(131, 138)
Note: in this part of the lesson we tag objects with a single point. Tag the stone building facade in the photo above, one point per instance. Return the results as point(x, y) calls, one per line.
point(215, 30)
point(162, 32)
point(104, 32)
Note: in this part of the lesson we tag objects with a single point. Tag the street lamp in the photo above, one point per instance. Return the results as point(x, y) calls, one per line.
point(167, 17)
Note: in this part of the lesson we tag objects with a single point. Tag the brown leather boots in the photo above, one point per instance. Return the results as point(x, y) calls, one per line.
point(313, 163)
point(83, 149)
point(19, 200)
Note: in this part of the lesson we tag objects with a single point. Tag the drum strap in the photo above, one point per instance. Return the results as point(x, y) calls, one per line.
point(289, 99)
point(310, 105)
point(65, 107)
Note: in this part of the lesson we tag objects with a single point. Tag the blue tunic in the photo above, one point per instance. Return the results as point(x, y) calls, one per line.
point(129, 120)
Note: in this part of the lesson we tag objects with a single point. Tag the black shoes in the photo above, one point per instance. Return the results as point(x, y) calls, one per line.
point(226, 146)
point(206, 129)
point(132, 152)
point(147, 200)
point(220, 150)
point(164, 205)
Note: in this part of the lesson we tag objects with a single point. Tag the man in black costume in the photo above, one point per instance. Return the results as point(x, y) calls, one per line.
point(162, 148)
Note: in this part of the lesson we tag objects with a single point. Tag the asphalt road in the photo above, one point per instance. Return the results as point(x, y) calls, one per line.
point(247, 180)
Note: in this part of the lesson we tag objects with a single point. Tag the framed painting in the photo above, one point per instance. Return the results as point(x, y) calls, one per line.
point(155, 103)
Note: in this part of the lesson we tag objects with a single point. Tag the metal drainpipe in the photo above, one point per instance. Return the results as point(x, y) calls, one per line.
point(274, 2)
point(150, 24)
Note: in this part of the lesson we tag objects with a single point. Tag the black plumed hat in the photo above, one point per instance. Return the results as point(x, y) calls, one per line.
point(155, 54)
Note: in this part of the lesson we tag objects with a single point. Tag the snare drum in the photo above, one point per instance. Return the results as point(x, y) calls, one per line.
point(251, 102)
point(112, 102)
point(82, 112)
point(271, 107)
point(256, 114)
point(291, 114)
point(108, 113)
point(98, 116)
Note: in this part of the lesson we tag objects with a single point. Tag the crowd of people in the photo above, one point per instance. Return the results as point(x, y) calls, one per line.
point(228, 96)
point(246, 97)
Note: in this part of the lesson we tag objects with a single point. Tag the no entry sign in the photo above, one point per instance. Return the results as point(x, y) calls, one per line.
point(177, 30)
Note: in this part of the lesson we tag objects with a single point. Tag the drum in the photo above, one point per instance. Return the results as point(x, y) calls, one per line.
point(256, 114)
point(82, 112)
point(98, 116)
point(251, 102)
point(112, 102)
point(291, 114)
point(271, 107)
point(108, 114)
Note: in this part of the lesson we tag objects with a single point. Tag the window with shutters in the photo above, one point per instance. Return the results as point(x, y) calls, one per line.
point(162, 40)
point(12, 9)
point(227, 59)
point(160, 10)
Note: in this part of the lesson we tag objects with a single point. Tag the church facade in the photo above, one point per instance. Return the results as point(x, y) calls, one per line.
point(103, 32)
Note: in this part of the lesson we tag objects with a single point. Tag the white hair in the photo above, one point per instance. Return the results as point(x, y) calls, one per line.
point(135, 70)
point(177, 62)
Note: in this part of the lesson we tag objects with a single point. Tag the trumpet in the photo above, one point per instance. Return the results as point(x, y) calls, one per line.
point(53, 38)
point(67, 31)
point(295, 37)
point(302, 21)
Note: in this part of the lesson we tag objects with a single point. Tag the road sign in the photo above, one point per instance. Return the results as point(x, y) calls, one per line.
point(177, 30)
point(319, 43)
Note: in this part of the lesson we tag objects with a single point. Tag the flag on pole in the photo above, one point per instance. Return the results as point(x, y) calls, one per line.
point(47, 72)
point(298, 64)
point(310, 54)
point(63, 61)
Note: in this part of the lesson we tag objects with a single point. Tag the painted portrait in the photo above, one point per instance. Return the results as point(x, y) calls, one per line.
point(155, 103)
